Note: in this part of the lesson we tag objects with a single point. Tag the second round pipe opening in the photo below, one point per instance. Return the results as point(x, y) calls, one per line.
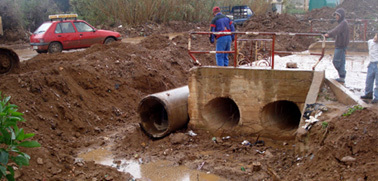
point(284, 115)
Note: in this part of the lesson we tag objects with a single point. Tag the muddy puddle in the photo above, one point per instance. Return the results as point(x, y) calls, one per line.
point(152, 171)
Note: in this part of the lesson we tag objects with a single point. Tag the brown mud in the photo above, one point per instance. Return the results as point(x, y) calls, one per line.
point(78, 101)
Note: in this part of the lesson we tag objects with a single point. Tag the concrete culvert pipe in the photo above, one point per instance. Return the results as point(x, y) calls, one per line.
point(281, 115)
point(222, 113)
point(164, 112)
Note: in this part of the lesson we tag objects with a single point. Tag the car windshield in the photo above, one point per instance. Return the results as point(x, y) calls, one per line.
point(43, 28)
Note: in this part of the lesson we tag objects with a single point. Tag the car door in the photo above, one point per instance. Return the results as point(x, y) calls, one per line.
point(66, 34)
point(88, 35)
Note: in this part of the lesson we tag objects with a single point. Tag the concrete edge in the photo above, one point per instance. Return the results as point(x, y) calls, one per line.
point(313, 93)
point(343, 94)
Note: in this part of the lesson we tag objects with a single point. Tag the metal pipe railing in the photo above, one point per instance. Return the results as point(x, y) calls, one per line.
point(273, 52)
point(352, 21)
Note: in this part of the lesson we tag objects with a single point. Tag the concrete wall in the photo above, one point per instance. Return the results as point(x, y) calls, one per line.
point(247, 101)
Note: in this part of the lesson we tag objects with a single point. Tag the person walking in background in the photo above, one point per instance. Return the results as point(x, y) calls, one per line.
point(341, 33)
point(372, 72)
point(221, 23)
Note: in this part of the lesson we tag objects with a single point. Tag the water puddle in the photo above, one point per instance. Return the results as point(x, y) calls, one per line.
point(154, 171)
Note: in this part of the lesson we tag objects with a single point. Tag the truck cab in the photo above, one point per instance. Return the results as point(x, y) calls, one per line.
point(238, 14)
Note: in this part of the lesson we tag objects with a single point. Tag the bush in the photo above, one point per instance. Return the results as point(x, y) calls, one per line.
point(11, 138)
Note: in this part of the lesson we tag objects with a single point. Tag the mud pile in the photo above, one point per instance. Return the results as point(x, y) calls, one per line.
point(71, 99)
point(83, 100)
point(271, 22)
point(345, 149)
point(355, 9)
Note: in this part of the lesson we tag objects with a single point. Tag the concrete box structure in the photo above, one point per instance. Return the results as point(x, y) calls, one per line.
point(248, 101)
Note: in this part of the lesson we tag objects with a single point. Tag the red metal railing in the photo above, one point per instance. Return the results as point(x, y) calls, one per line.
point(273, 39)
point(355, 25)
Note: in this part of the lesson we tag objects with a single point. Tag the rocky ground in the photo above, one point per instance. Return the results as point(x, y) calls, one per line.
point(77, 101)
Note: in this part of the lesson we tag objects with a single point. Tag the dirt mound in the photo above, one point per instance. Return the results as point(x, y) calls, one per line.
point(272, 22)
point(87, 99)
point(156, 42)
point(345, 150)
point(366, 9)
point(355, 9)
point(69, 99)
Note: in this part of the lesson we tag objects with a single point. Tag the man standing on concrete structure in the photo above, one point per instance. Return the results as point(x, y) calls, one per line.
point(372, 73)
point(341, 32)
point(221, 23)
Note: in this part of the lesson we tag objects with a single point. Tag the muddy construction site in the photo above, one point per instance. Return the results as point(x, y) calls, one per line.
point(82, 107)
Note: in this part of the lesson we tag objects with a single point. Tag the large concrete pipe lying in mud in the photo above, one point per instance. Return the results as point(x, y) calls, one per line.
point(164, 112)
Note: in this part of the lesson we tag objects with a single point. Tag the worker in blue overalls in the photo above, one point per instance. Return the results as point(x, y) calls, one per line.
point(221, 23)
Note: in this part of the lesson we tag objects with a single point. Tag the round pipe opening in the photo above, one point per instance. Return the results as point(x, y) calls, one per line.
point(154, 116)
point(221, 113)
point(284, 115)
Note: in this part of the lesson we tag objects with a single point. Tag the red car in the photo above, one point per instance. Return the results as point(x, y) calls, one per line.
point(62, 33)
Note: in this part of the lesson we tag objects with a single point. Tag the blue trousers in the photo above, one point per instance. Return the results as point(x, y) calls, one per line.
point(339, 61)
point(223, 44)
point(372, 74)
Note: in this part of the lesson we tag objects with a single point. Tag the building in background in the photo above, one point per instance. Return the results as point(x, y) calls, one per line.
point(309, 5)
point(277, 5)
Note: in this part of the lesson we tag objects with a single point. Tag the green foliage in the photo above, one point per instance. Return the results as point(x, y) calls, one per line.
point(11, 138)
point(353, 109)
point(35, 12)
point(10, 14)
point(29, 14)
point(324, 124)
point(291, 9)
point(136, 12)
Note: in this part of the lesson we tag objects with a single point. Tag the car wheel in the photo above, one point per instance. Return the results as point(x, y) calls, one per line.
point(109, 40)
point(41, 51)
point(6, 62)
point(55, 47)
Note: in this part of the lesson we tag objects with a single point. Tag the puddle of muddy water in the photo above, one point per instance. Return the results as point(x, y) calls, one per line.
point(154, 171)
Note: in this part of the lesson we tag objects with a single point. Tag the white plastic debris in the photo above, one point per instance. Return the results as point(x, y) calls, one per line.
point(245, 142)
point(191, 133)
point(226, 138)
point(311, 121)
point(261, 152)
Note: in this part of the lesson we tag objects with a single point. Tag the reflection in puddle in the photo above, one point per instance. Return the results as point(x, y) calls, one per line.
point(154, 171)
